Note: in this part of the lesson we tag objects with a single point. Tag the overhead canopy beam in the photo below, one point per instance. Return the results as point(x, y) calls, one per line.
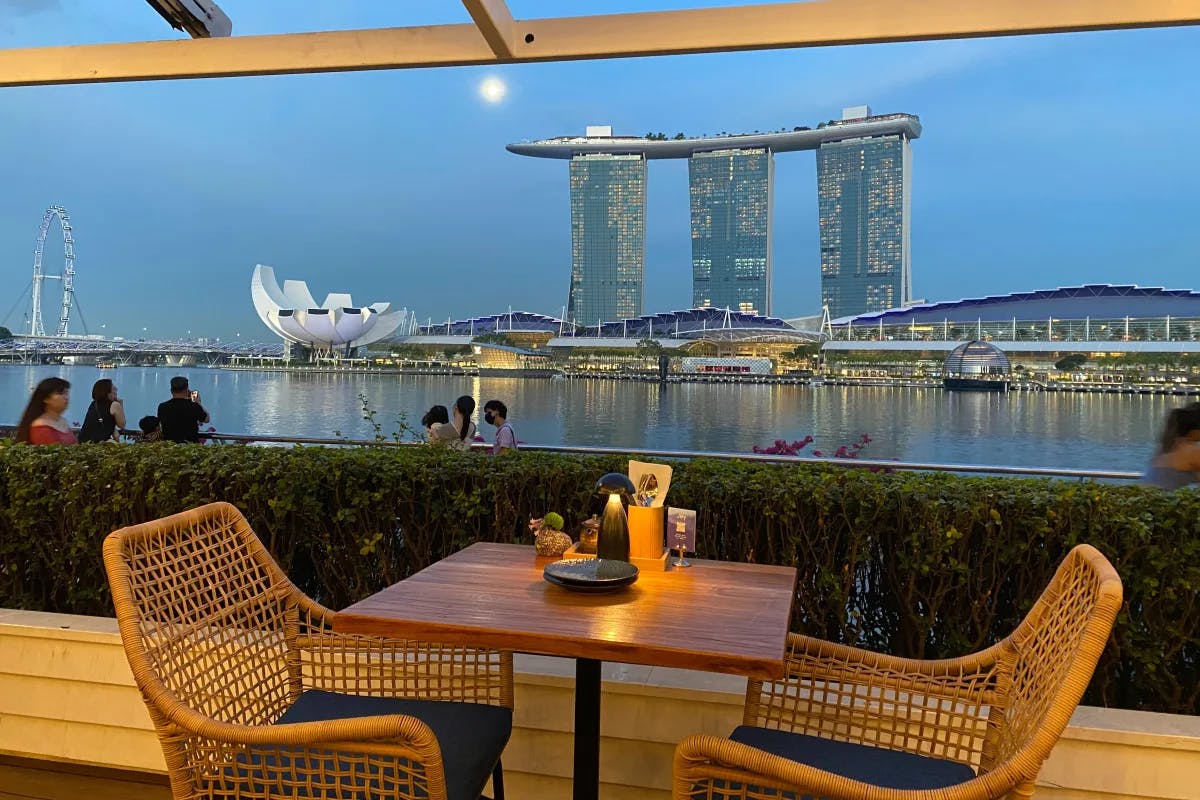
point(782, 25)
point(495, 22)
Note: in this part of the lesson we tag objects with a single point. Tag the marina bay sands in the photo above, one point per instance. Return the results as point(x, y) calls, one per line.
point(864, 172)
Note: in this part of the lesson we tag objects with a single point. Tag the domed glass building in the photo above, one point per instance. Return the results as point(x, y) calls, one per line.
point(978, 366)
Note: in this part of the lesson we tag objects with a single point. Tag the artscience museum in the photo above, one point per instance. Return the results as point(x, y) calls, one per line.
point(337, 326)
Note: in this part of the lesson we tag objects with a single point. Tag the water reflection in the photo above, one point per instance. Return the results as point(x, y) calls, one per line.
point(1032, 429)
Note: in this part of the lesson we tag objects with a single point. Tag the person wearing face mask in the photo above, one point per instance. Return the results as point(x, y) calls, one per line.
point(496, 413)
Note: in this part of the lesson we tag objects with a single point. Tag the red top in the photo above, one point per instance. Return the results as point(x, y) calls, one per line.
point(44, 434)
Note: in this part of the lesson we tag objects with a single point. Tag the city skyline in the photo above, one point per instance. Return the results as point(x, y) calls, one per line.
point(396, 183)
point(864, 169)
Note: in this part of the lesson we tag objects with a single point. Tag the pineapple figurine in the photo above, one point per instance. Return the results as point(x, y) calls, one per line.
point(550, 541)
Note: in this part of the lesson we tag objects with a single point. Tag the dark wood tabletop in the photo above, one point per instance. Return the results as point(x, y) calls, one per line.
point(715, 616)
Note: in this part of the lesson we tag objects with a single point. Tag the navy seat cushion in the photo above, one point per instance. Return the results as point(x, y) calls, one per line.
point(892, 769)
point(471, 736)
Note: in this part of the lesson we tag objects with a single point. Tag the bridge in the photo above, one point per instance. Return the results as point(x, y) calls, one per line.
point(27, 349)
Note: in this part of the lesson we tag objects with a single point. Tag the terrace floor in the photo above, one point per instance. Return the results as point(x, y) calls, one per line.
point(34, 779)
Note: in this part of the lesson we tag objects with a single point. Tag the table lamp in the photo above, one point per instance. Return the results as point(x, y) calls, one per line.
point(613, 539)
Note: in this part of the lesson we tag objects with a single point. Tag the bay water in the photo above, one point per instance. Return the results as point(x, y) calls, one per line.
point(1034, 429)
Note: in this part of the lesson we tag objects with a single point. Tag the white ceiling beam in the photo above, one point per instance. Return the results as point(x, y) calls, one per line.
point(783, 25)
point(495, 22)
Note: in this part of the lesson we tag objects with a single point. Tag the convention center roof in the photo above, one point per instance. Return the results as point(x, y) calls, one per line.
point(1097, 301)
point(694, 323)
point(508, 322)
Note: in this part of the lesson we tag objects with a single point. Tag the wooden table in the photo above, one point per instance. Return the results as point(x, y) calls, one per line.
point(716, 616)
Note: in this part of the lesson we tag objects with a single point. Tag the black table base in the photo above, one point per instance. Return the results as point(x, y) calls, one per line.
point(586, 780)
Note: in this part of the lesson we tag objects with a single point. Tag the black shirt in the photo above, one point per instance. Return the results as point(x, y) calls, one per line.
point(98, 423)
point(180, 419)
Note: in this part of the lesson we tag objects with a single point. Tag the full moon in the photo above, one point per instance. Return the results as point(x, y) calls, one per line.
point(492, 89)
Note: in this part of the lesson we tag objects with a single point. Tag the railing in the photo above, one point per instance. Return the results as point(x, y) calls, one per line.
point(858, 463)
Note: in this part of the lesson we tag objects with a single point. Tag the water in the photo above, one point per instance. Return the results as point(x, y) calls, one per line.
point(1082, 431)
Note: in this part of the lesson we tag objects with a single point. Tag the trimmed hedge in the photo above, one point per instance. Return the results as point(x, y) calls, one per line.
point(921, 565)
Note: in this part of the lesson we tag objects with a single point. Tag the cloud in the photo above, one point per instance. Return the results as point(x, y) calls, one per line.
point(22, 8)
point(12, 11)
point(875, 71)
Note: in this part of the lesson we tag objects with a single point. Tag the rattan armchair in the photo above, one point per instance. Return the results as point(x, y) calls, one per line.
point(854, 725)
point(254, 696)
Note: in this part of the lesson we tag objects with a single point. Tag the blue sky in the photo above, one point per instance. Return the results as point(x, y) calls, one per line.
point(1045, 161)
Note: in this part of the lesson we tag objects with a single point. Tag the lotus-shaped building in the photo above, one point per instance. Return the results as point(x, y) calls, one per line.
point(337, 324)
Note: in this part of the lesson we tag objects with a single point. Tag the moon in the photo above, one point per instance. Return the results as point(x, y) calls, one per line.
point(492, 89)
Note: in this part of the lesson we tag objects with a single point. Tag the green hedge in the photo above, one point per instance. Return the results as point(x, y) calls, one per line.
point(919, 565)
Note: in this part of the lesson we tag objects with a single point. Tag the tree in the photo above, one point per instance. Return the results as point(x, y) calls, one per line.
point(493, 338)
point(409, 352)
point(803, 351)
point(1070, 363)
point(5, 333)
point(649, 348)
point(680, 135)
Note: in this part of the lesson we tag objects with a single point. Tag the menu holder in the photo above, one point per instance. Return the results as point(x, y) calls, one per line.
point(681, 535)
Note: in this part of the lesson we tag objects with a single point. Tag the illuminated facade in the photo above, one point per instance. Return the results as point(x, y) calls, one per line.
point(731, 205)
point(863, 199)
point(608, 237)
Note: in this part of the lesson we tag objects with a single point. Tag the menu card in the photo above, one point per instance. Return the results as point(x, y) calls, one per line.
point(681, 529)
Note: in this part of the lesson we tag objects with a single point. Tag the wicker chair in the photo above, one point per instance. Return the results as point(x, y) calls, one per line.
point(253, 696)
point(850, 724)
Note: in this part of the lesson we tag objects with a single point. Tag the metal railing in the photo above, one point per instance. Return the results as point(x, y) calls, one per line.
point(684, 455)
point(681, 455)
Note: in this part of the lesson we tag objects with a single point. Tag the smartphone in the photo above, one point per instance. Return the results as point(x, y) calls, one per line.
point(195, 396)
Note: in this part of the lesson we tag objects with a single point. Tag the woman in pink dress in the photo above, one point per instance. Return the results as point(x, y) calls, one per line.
point(43, 421)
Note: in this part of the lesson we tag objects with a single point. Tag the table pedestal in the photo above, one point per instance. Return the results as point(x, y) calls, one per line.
point(585, 783)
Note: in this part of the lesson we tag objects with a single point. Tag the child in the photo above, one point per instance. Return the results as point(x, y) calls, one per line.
point(151, 432)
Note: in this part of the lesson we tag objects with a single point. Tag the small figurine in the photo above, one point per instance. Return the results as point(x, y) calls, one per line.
point(549, 540)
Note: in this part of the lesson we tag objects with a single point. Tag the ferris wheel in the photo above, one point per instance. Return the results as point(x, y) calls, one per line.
point(36, 328)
